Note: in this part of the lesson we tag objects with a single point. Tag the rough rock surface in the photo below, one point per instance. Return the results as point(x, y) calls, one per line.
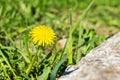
point(102, 63)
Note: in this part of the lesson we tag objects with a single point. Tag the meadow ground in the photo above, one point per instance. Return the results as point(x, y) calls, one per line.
point(79, 26)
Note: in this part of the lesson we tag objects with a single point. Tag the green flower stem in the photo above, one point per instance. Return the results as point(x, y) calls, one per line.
point(32, 63)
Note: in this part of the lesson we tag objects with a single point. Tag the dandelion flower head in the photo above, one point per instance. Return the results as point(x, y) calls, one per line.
point(42, 35)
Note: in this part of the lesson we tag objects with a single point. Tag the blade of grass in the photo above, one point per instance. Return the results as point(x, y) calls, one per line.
point(82, 16)
point(7, 62)
point(45, 74)
point(55, 69)
point(24, 56)
point(4, 69)
point(72, 29)
point(68, 47)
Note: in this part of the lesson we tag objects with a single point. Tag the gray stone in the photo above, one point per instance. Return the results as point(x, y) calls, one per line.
point(102, 63)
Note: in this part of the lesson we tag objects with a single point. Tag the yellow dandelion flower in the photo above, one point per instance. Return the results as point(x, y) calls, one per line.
point(42, 35)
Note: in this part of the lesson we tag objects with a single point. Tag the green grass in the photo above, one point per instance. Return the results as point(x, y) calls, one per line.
point(70, 19)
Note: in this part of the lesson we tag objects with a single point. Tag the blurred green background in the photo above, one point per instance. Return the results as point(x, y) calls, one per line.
point(15, 13)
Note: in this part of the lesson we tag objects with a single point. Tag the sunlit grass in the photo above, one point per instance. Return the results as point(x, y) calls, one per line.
point(21, 57)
